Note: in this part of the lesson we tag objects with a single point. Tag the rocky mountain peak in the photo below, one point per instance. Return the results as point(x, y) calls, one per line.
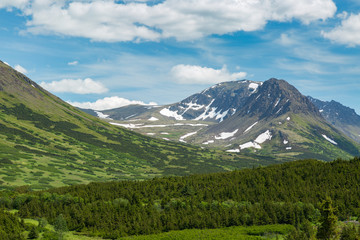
point(276, 97)
point(215, 103)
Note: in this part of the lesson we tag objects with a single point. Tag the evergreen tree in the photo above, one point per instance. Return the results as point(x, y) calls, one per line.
point(34, 233)
point(349, 233)
point(328, 222)
point(60, 226)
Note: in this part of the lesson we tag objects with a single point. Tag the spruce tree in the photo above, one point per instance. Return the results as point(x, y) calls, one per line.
point(328, 222)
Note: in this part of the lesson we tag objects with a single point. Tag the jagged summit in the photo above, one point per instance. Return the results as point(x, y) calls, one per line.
point(215, 103)
point(276, 97)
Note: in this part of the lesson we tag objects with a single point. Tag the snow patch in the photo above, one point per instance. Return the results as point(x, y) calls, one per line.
point(185, 136)
point(248, 129)
point(130, 116)
point(263, 137)
point(277, 102)
point(132, 126)
point(225, 135)
point(249, 145)
point(285, 141)
point(150, 134)
point(168, 113)
point(233, 150)
point(164, 133)
point(208, 142)
point(153, 119)
point(321, 110)
point(329, 139)
point(101, 115)
point(253, 86)
point(288, 118)
point(166, 139)
point(288, 148)
point(260, 139)
point(222, 115)
point(127, 125)
point(193, 106)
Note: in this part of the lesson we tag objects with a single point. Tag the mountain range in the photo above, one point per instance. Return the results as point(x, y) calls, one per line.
point(270, 118)
point(45, 142)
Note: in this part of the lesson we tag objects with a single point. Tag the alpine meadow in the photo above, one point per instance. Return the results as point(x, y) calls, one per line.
point(179, 119)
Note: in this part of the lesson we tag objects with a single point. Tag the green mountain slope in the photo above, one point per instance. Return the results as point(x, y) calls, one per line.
point(46, 142)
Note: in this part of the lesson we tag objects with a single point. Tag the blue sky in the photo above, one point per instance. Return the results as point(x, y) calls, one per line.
point(104, 54)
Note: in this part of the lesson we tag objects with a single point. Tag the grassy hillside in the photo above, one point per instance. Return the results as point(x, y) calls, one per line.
point(45, 142)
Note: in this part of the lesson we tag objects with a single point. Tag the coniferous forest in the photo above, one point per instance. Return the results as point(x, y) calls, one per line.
point(291, 193)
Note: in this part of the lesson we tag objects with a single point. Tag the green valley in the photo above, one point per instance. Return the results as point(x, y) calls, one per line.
point(45, 142)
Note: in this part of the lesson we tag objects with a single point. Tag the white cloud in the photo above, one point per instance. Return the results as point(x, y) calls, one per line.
point(20, 69)
point(73, 63)
point(286, 40)
point(79, 86)
point(21, 4)
point(111, 21)
point(348, 33)
point(192, 74)
point(108, 103)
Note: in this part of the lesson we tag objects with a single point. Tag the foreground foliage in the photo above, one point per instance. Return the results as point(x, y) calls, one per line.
point(289, 193)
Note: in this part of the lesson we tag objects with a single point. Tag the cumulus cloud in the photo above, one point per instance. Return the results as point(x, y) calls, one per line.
point(21, 4)
point(348, 33)
point(112, 21)
point(20, 69)
point(192, 74)
point(79, 86)
point(73, 63)
point(108, 103)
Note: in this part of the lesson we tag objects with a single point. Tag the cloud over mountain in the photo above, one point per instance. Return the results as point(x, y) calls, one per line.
point(108, 103)
point(79, 86)
point(192, 74)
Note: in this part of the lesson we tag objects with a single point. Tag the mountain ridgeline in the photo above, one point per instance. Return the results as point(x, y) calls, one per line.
point(45, 142)
point(342, 117)
point(267, 119)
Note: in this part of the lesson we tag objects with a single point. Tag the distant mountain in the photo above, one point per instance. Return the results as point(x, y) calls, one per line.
point(270, 118)
point(343, 118)
point(46, 142)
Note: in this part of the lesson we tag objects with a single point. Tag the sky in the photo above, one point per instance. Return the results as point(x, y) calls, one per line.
point(103, 54)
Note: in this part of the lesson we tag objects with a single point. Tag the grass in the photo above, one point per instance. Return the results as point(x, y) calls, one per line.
point(240, 233)
point(64, 146)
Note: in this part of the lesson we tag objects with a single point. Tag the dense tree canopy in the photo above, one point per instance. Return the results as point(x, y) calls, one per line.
point(289, 193)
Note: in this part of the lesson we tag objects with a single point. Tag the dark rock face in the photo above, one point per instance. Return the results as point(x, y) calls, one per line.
point(334, 111)
point(343, 118)
point(217, 102)
point(277, 97)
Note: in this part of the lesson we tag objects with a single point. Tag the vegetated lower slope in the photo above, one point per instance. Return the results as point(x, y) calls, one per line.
point(287, 193)
point(343, 118)
point(46, 142)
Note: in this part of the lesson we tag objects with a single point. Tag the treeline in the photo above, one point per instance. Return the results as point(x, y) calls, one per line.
point(289, 193)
